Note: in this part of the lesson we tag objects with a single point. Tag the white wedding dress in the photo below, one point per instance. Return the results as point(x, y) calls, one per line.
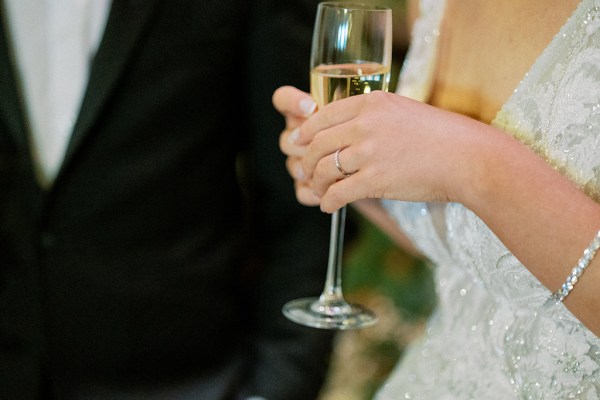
point(494, 333)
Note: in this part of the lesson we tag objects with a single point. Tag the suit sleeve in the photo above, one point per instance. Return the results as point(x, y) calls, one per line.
point(289, 360)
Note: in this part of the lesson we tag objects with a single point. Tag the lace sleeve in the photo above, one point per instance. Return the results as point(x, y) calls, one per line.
point(417, 71)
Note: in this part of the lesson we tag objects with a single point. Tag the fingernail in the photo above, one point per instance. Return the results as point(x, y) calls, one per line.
point(294, 135)
point(308, 106)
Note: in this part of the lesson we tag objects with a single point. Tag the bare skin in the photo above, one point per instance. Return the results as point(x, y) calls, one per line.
point(540, 216)
point(487, 47)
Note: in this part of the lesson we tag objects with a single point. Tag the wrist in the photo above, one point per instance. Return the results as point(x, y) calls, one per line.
point(476, 163)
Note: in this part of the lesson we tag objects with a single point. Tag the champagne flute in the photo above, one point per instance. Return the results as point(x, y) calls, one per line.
point(351, 55)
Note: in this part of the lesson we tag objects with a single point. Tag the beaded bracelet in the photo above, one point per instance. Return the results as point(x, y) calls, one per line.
point(584, 262)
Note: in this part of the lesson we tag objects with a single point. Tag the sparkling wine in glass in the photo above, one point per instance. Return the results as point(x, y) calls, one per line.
point(351, 55)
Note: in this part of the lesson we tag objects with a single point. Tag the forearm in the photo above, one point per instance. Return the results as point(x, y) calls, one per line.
point(542, 217)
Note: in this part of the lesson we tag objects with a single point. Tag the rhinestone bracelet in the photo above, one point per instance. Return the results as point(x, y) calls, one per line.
point(584, 261)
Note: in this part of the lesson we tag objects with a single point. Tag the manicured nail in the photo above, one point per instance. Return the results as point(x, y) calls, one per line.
point(294, 135)
point(308, 106)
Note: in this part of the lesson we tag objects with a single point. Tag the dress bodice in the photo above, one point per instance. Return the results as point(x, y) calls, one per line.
point(494, 334)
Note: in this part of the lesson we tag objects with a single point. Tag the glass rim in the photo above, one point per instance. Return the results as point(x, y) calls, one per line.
point(353, 5)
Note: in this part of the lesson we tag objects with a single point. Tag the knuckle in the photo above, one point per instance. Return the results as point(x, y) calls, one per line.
point(366, 148)
point(282, 142)
point(290, 164)
point(363, 124)
point(275, 96)
point(376, 98)
point(279, 95)
point(316, 142)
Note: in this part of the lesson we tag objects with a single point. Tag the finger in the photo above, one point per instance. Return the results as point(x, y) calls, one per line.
point(325, 144)
point(294, 168)
point(289, 100)
point(305, 194)
point(287, 145)
point(333, 114)
point(292, 121)
point(348, 160)
point(343, 192)
point(287, 142)
point(329, 170)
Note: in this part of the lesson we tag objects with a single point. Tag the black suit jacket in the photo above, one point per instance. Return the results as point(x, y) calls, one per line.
point(157, 263)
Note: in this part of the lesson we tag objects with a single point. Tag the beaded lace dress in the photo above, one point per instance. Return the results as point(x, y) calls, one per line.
point(494, 333)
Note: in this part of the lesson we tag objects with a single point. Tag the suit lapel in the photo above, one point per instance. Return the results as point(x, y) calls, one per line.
point(124, 26)
point(10, 106)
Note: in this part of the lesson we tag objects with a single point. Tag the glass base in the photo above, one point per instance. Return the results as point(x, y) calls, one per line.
point(340, 315)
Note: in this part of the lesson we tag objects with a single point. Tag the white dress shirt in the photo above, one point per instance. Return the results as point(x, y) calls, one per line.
point(54, 42)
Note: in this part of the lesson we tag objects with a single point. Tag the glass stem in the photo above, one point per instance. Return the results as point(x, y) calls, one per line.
point(332, 292)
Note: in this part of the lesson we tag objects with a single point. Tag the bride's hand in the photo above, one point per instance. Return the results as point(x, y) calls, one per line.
point(394, 147)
